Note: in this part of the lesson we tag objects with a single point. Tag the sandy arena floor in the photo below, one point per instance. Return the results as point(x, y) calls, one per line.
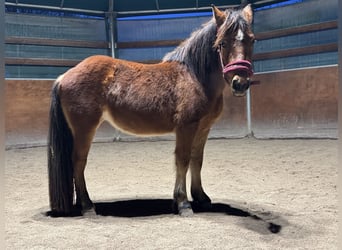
point(267, 194)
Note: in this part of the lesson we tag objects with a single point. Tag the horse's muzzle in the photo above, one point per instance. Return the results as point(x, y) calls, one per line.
point(240, 85)
point(241, 71)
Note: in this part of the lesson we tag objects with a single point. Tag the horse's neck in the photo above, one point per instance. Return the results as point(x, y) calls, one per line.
point(205, 62)
point(198, 53)
point(215, 83)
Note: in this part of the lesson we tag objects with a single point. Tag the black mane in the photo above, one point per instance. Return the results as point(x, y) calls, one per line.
point(199, 51)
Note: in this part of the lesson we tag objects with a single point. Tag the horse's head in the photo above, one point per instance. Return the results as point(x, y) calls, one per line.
point(234, 43)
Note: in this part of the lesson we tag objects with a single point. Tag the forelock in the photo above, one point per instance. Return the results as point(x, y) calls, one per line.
point(232, 24)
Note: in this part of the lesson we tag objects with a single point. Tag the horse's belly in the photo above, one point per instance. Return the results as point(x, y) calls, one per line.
point(139, 124)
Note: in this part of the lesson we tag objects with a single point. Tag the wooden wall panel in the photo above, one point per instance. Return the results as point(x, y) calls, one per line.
point(296, 103)
point(26, 115)
point(232, 123)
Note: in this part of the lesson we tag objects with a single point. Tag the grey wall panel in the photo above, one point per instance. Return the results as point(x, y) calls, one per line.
point(163, 29)
point(142, 54)
point(54, 27)
point(294, 62)
point(306, 12)
point(297, 41)
point(51, 52)
point(34, 72)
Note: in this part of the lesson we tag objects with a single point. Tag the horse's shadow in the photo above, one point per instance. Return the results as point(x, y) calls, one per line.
point(261, 221)
point(155, 207)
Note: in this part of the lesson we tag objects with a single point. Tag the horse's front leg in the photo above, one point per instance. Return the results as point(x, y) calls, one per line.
point(184, 139)
point(200, 198)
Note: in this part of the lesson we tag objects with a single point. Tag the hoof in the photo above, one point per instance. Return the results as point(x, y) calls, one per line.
point(183, 209)
point(54, 213)
point(186, 212)
point(73, 212)
point(89, 212)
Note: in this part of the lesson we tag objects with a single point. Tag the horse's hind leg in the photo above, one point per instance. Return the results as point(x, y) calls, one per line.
point(199, 196)
point(184, 139)
point(82, 142)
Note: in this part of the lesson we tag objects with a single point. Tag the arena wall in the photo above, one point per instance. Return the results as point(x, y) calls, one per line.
point(26, 116)
point(296, 47)
point(295, 103)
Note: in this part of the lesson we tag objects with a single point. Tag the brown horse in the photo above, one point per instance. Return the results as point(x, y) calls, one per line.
point(182, 94)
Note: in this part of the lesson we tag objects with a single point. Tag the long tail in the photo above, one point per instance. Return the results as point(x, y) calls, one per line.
point(60, 168)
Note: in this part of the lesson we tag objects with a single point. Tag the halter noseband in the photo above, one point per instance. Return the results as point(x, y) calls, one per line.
point(238, 65)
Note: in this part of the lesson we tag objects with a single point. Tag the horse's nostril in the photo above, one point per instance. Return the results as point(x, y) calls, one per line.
point(237, 86)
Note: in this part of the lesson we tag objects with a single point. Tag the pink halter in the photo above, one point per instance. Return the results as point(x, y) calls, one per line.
point(239, 65)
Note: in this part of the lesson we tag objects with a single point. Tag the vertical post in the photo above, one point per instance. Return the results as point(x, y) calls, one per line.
point(248, 97)
point(111, 19)
point(249, 115)
point(340, 121)
point(111, 16)
point(2, 124)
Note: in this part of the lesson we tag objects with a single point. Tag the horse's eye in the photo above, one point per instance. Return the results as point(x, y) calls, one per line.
point(223, 44)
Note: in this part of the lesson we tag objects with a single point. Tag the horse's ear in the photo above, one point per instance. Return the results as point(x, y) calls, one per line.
point(247, 13)
point(219, 16)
